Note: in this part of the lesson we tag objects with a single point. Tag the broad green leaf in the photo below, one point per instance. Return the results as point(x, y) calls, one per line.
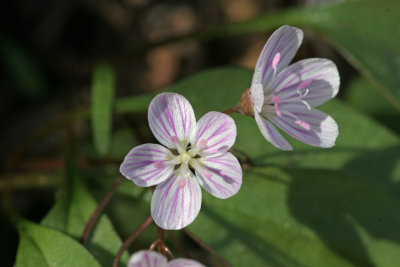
point(302, 217)
point(103, 87)
point(364, 97)
point(363, 146)
point(70, 215)
point(54, 248)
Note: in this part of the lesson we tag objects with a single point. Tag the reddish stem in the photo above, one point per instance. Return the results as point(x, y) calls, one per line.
point(96, 214)
point(131, 239)
point(206, 247)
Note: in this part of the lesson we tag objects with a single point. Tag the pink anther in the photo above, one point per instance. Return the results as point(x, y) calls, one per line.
point(160, 164)
point(276, 59)
point(304, 84)
point(182, 183)
point(303, 124)
point(203, 143)
point(174, 139)
point(207, 174)
point(276, 100)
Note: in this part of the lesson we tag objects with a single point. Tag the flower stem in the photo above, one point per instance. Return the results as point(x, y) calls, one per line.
point(96, 214)
point(206, 247)
point(233, 109)
point(132, 238)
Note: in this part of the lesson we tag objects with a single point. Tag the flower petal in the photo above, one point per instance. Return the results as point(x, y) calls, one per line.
point(271, 134)
point(319, 129)
point(147, 258)
point(145, 166)
point(319, 76)
point(215, 133)
point(257, 95)
point(171, 118)
point(220, 176)
point(177, 201)
point(285, 41)
point(184, 263)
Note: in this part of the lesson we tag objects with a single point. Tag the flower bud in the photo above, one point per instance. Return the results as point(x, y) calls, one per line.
point(246, 104)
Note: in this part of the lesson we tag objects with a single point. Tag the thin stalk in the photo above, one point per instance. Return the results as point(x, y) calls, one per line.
point(206, 247)
point(131, 239)
point(233, 109)
point(96, 214)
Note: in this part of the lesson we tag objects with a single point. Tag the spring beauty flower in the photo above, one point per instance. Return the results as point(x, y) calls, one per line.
point(192, 154)
point(148, 258)
point(286, 95)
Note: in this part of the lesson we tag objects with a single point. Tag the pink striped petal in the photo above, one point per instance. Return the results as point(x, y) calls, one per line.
point(271, 134)
point(312, 127)
point(215, 134)
point(257, 95)
point(171, 119)
point(319, 76)
point(176, 202)
point(147, 258)
point(145, 165)
point(184, 263)
point(285, 41)
point(220, 176)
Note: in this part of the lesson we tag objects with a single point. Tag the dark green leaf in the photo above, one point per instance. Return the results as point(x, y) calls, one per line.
point(103, 87)
point(54, 248)
point(70, 215)
point(303, 218)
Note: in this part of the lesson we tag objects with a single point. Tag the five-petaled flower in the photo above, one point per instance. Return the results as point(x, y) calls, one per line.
point(194, 154)
point(286, 95)
point(148, 258)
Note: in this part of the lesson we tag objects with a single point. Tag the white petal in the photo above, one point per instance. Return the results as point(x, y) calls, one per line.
point(184, 263)
point(271, 134)
point(177, 201)
point(319, 76)
point(257, 95)
point(215, 133)
point(220, 176)
point(145, 165)
point(286, 41)
point(322, 132)
point(147, 258)
point(171, 118)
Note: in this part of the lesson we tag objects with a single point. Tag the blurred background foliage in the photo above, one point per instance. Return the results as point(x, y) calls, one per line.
point(76, 79)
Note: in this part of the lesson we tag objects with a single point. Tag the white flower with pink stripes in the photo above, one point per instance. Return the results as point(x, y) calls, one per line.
point(147, 258)
point(285, 95)
point(192, 154)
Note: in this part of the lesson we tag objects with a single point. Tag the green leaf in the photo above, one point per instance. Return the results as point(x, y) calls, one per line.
point(71, 214)
point(364, 97)
point(303, 218)
point(103, 87)
point(42, 246)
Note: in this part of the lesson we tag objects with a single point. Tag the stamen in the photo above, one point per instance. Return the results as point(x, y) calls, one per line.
point(202, 144)
point(275, 60)
point(276, 100)
point(160, 164)
point(174, 139)
point(303, 124)
point(207, 174)
point(304, 84)
point(182, 182)
point(178, 145)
